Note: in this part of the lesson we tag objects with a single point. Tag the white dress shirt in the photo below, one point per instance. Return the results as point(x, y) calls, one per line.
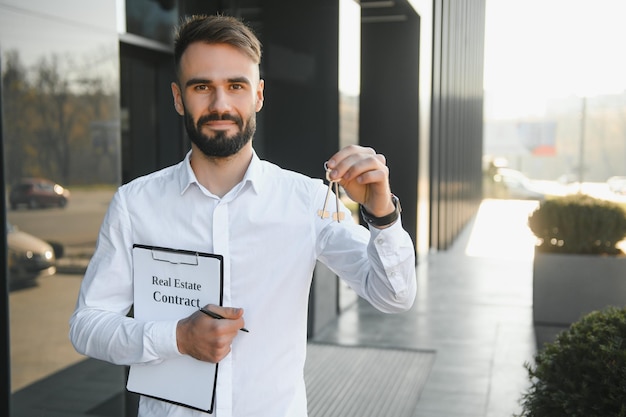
point(270, 236)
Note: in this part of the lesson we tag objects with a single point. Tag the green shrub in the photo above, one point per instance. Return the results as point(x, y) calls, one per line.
point(579, 224)
point(583, 372)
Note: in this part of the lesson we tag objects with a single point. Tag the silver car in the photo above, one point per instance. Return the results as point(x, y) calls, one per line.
point(29, 257)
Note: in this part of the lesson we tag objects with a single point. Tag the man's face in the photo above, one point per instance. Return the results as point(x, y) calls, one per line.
point(219, 93)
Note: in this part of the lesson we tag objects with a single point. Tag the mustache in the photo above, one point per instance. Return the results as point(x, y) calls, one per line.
point(213, 117)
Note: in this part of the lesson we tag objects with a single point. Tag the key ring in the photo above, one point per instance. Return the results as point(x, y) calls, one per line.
point(323, 213)
point(328, 170)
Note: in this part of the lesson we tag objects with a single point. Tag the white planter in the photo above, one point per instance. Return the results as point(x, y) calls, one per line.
point(566, 287)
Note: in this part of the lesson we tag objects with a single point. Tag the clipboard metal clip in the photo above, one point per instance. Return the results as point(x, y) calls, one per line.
point(175, 257)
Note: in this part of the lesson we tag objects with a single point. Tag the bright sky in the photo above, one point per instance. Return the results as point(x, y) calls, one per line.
point(349, 46)
point(536, 49)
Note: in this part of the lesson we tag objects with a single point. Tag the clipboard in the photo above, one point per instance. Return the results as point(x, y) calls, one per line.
point(170, 284)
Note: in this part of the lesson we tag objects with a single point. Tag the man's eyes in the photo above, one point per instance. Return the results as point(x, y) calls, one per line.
point(205, 87)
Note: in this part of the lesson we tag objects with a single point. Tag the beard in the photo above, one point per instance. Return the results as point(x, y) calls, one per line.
point(220, 145)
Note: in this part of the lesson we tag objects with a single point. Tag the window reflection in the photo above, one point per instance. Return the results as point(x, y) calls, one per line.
point(152, 19)
point(60, 130)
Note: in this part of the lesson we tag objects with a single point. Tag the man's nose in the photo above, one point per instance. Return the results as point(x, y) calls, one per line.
point(219, 102)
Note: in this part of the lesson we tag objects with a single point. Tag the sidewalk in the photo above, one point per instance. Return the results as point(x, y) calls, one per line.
point(474, 309)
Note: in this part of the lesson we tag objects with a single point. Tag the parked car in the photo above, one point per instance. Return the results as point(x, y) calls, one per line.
point(29, 257)
point(517, 185)
point(38, 192)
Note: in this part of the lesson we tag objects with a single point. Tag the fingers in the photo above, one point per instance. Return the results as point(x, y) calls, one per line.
point(230, 318)
point(360, 164)
point(232, 313)
point(364, 176)
point(206, 338)
point(215, 343)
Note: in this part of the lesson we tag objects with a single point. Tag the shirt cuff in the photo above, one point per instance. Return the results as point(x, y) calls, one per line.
point(162, 337)
point(389, 238)
point(394, 247)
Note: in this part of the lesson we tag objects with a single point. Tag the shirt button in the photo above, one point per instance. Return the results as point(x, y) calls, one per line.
point(380, 241)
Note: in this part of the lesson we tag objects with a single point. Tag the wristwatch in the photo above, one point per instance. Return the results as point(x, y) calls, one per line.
point(385, 220)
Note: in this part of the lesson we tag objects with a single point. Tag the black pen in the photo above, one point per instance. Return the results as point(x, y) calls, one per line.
point(218, 317)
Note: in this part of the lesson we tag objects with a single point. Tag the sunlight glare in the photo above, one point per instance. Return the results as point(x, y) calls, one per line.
point(501, 230)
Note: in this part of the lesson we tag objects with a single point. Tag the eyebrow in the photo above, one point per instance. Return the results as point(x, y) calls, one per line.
point(235, 80)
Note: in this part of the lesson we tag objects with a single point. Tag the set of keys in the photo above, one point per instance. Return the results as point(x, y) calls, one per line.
point(332, 186)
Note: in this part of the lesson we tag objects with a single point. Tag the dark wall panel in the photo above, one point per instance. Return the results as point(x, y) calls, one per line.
point(389, 98)
point(151, 129)
point(301, 117)
point(5, 362)
point(456, 118)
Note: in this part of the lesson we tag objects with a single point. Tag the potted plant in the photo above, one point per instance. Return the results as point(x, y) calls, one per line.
point(577, 267)
point(582, 373)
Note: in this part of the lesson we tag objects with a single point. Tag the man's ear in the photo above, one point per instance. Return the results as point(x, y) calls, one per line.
point(178, 99)
point(259, 95)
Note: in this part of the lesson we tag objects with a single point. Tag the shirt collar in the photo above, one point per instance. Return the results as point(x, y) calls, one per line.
point(254, 174)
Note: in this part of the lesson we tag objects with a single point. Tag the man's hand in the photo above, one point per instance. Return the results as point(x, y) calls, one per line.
point(364, 176)
point(206, 338)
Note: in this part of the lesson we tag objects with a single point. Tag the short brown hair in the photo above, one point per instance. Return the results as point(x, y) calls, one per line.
point(216, 29)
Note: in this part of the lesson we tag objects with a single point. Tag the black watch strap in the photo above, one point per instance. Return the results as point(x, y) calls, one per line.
point(385, 220)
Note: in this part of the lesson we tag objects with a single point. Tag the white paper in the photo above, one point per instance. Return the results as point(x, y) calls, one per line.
point(170, 285)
